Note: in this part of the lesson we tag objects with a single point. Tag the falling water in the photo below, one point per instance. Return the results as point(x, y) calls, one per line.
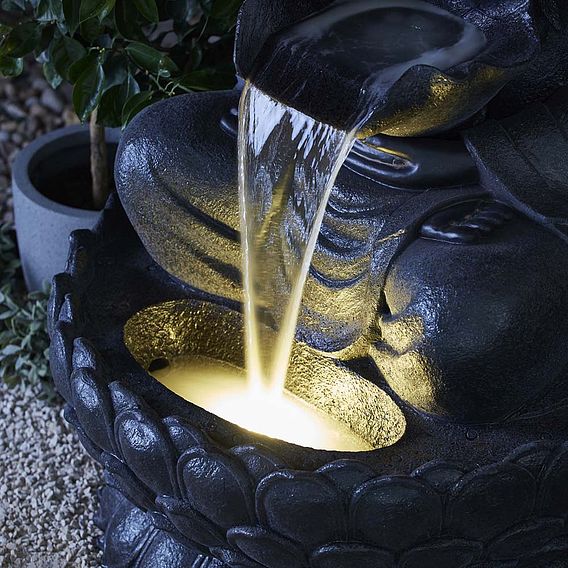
point(288, 163)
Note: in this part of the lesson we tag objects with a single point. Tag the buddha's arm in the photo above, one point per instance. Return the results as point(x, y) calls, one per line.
point(523, 159)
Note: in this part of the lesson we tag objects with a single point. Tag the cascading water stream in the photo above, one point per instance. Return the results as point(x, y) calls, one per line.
point(288, 163)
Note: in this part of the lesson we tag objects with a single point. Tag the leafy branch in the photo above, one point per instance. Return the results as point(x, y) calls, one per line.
point(24, 341)
point(120, 55)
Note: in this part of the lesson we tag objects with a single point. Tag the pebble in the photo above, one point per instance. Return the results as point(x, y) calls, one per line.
point(39, 84)
point(10, 90)
point(31, 101)
point(13, 111)
point(37, 110)
point(9, 126)
point(51, 101)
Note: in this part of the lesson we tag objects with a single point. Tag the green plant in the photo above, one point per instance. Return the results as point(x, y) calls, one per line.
point(120, 55)
point(24, 341)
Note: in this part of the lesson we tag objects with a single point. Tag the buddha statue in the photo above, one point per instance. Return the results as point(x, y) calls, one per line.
point(443, 254)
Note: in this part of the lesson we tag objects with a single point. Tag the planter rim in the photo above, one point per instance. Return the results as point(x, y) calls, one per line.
point(25, 161)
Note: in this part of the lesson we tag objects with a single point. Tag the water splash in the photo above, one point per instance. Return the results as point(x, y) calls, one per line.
point(288, 163)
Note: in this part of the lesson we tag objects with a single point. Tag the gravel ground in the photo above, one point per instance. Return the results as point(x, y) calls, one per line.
point(48, 484)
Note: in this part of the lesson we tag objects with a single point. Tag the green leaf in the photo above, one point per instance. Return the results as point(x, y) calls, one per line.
point(88, 89)
point(225, 9)
point(148, 9)
point(66, 52)
point(13, 5)
point(90, 30)
point(135, 104)
point(95, 9)
point(109, 112)
point(116, 70)
point(77, 69)
point(22, 40)
point(10, 66)
point(126, 20)
point(182, 10)
point(51, 75)
point(71, 10)
point(10, 350)
point(151, 59)
point(50, 11)
point(113, 102)
point(47, 35)
point(207, 80)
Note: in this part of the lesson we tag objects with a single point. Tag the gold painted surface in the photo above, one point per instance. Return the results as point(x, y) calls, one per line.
point(446, 101)
point(177, 328)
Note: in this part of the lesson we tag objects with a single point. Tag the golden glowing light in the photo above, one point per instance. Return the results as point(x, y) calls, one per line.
point(224, 390)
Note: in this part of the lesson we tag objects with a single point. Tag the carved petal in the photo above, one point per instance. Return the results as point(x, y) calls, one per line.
point(488, 501)
point(127, 534)
point(62, 285)
point(93, 406)
point(216, 486)
point(532, 456)
point(553, 495)
point(552, 555)
point(85, 355)
point(349, 555)
point(163, 550)
point(258, 461)
point(183, 434)
point(117, 475)
point(79, 264)
point(124, 399)
point(347, 474)
point(524, 539)
point(145, 445)
point(132, 540)
point(440, 475)
point(190, 523)
point(454, 553)
point(269, 550)
point(92, 449)
point(71, 312)
point(301, 506)
point(234, 558)
point(395, 513)
point(61, 355)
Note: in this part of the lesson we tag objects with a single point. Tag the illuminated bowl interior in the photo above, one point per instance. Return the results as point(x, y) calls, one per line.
point(182, 328)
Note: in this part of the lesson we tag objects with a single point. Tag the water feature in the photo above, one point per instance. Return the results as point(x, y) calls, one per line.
point(288, 163)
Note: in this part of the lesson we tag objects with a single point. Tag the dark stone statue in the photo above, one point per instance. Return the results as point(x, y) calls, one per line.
point(447, 226)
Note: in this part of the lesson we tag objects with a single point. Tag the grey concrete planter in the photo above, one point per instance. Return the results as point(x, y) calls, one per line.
point(43, 225)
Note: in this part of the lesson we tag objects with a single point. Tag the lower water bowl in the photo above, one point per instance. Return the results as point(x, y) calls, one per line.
point(195, 349)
